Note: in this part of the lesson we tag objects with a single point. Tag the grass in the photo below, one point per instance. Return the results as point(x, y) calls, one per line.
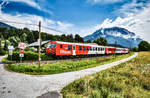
point(4, 59)
point(127, 80)
point(65, 66)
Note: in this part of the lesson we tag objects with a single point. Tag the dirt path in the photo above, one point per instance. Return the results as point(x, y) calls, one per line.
point(15, 85)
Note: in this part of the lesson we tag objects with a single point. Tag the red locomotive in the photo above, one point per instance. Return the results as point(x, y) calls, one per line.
point(59, 48)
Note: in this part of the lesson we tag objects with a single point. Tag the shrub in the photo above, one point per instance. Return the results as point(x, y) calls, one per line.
point(28, 55)
point(2, 51)
point(135, 49)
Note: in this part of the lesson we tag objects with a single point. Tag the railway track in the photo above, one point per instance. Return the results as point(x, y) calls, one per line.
point(61, 60)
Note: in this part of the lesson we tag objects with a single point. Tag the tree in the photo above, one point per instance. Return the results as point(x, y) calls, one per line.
point(78, 38)
point(70, 38)
point(88, 41)
point(144, 46)
point(5, 46)
point(135, 49)
point(101, 41)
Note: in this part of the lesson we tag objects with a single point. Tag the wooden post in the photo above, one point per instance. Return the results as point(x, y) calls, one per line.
point(39, 42)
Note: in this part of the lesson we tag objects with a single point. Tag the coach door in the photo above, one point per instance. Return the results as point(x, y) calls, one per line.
point(74, 50)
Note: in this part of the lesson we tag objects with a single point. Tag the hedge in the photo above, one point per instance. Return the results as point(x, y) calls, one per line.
point(28, 56)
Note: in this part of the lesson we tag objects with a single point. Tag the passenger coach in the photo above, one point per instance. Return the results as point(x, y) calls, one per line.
point(59, 48)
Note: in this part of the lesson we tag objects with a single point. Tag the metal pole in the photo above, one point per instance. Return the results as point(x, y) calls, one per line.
point(20, 59)
point(115, 47)
point(11, 57)
point(39, 43)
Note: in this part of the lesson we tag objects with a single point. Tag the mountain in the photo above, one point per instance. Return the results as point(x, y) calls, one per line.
point(123, 37)
point(6, 25)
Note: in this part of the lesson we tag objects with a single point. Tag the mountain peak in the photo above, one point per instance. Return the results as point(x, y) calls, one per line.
point(123, 37)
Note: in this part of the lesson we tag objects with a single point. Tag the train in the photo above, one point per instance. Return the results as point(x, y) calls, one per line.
point(59, 48)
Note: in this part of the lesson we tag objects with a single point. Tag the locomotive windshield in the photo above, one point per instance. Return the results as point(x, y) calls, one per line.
point(51, 46)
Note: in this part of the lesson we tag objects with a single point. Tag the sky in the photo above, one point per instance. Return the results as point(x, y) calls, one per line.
point(81, 17)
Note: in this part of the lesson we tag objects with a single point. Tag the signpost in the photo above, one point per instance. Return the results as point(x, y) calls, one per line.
point(11, 48)
point(22, 46)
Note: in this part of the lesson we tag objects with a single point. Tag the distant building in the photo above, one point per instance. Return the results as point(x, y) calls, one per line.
point(36, 44)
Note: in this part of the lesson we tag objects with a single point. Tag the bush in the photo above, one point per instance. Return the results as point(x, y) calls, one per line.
point(2, 51)
point(135, 49)
point(144, 46)
point(28, 55)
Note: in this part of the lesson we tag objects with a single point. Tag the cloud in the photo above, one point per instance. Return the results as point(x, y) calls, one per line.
point(34, 19)
point(130, 8)
point(103, 1)
point(136, 21)
point(30, 3)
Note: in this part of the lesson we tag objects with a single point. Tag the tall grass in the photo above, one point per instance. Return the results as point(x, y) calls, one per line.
point(60, 67)
point(128, 80)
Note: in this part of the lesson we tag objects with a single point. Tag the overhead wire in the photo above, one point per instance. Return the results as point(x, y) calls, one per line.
point(5, 21)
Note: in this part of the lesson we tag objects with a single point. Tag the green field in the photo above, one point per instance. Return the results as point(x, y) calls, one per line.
point(65, 66)
point(127, 80)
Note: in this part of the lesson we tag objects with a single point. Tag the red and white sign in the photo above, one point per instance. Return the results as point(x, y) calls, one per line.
point(21, 51)
point(22, 45)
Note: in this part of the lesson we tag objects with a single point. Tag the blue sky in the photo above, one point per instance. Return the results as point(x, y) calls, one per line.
point(79, 16)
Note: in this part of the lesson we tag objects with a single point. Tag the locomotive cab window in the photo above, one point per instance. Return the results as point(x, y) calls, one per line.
point(69, 47)
point(51, 46)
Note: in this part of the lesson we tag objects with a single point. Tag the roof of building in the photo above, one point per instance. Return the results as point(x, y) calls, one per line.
point(37, 44)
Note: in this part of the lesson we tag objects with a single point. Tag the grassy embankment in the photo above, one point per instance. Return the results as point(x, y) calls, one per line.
point(65, 66)
point(128, 80)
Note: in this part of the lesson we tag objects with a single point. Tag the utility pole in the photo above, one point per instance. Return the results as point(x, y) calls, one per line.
point(39, 42)
point(115, 47)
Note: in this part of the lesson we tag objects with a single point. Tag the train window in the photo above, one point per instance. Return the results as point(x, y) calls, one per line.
point(74, 47)
point(90, 48)
point(83, 48)
point(93, 48)
point(61, 46)
point(69, 47)
point(51, 46)
point(80, 48)
point(96, 48)
point(87, 48)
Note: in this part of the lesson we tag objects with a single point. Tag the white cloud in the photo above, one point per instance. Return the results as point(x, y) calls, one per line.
point(103, 1)
point(30, 3)
point(130, 8)
point(34, 19)
point(137, 21)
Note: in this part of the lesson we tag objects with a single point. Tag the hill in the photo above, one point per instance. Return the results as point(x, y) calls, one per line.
point(6, 25)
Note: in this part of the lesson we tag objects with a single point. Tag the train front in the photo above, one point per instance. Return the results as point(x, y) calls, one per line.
point(51, 48)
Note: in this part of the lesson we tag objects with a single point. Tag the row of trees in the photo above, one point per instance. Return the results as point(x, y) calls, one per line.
point(13, 36)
